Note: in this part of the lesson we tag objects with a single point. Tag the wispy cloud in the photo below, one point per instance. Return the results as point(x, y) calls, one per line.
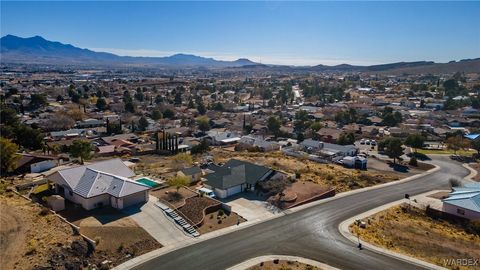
point(276, 59)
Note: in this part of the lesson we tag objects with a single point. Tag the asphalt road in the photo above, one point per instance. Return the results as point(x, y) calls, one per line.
point(310, 233)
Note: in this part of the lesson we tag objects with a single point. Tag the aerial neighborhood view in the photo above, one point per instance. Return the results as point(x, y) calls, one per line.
point(240, 135)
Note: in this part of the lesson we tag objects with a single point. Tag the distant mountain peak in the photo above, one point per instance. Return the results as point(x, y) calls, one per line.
point(37, 49)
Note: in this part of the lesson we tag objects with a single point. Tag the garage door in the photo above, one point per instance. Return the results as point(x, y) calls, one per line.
point(134, 199)
point(234, 190)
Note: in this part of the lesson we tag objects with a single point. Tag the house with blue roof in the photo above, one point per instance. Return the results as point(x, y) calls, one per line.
point(473, 137)
point(464, 201)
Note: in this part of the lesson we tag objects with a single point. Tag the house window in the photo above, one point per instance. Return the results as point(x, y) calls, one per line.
point(460, 211)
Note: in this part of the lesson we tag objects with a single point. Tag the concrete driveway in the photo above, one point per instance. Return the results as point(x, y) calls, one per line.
point(251, 207)
point(153, 220)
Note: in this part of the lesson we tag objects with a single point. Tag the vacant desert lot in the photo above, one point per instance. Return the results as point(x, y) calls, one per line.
point(31, 237)
point(105, 226)
point(342, 179)
point(410, 231)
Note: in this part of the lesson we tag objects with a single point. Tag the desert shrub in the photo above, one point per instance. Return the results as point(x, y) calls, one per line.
point(44, 211)
point(97, 240)
point(474, 227)
point(219, 221)
point(297, 175)
point(275, 261)
point(413, 162)
point(329, 177)
point(454, 182)
point(174, 196)
point(221, 212)
point(104, 266)
point(120, 248)
point(31, 247)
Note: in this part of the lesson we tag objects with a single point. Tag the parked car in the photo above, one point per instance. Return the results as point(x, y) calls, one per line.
point(373, 142)
point(362, 141)
point(207, 192)
point(367, 142)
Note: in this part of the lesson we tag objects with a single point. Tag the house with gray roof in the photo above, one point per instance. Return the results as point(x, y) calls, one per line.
point(194, 173)
point(100, 184)
point(216, 137)
point(328, 149)
point(257, 142)
point(235, 176)
point(464, 201)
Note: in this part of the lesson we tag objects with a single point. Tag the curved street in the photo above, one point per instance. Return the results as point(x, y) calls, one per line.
point(310, 233)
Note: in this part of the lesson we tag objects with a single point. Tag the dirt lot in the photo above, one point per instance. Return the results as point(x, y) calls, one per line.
point(194, 208)
point(219, 220)
point(283, 265)
point(336, 176)
point(156, 166)
point(31, 238)
point(104, 226)
point(169, 195)
point(298, 192)
point(413, 233)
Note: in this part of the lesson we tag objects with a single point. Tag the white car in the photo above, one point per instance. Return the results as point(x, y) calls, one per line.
point(207, 192)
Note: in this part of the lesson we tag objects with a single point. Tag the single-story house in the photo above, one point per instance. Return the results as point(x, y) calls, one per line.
point(464, 201)
point(90, 123)
point(195, 173)
point(100, 184)
point(32, 163)
point(235, 176)
point(222, 137)
point(328, 149)
point(261, 144)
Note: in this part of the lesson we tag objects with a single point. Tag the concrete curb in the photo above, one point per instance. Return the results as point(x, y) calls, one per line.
point(255, 261)
point(164, 250)
point(473, 172)
point(344, 230)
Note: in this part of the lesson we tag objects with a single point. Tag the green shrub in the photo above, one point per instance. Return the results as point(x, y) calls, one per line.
point(413, 162)
point(120, 248)
point(31, 247)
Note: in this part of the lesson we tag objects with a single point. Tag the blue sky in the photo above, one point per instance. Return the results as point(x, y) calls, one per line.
point(297, 33)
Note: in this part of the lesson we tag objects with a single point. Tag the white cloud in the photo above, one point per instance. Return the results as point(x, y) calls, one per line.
point(277, 59)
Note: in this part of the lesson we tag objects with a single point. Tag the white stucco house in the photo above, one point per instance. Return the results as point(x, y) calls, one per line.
point(100, 184)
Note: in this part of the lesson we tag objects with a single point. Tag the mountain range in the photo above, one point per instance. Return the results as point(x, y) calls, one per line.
point(37, 50)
